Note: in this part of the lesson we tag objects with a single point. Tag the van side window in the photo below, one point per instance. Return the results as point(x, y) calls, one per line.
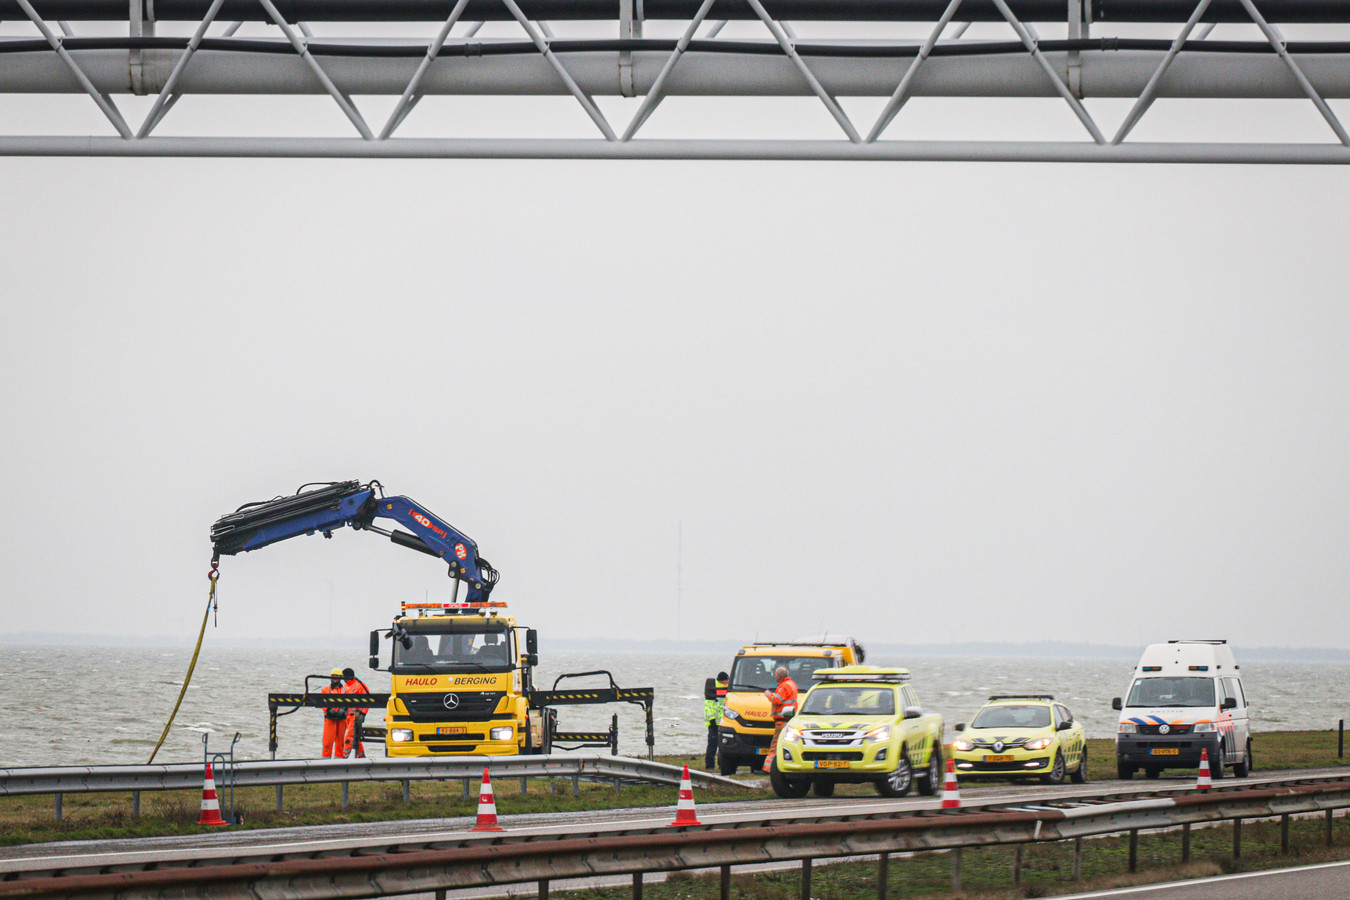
point(1233, 688)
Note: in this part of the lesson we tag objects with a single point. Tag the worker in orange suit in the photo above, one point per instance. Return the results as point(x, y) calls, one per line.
point(334, 720)
point(356, 718)
point(784, 700)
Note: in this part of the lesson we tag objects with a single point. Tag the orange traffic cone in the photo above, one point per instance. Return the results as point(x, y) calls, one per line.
point(951, 793)
point(210, 802)
point(684, 809)
point(487, 807)
point(1203, 783)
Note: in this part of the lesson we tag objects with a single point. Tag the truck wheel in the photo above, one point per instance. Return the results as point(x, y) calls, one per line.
point(1056, 773)
point(1124, 771)
point(1079, 774)
point(822, 788)
point(785, 787)
point(898, 781)
point(931, 780)
point(1244, 768)
point(726, 766)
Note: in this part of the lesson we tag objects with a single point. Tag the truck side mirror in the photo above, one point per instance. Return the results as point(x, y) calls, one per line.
point(1230, 703)
point(532, 643)
point(531, 659)
point(1115, 703)
point(710, 689)
point(375, 650)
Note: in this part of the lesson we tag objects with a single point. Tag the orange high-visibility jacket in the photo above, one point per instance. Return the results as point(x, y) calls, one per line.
point(784, 699)
point(356, 686)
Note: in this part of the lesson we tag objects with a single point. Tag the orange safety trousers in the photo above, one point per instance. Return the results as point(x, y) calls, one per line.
point(335, 737)
point(784, 701)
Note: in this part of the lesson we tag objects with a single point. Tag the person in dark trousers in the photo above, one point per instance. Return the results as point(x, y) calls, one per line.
point(714, 704)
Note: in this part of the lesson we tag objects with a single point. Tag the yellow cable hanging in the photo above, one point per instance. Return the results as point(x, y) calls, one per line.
point(213, 575)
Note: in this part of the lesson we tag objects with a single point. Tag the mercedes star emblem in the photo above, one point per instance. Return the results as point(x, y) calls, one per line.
point(451, 701)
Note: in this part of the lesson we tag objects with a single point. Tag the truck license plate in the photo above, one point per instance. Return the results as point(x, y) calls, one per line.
point(452, 729)
point(1164, 751)
point(1002, 757)
point(763, 751)
point(831, 764)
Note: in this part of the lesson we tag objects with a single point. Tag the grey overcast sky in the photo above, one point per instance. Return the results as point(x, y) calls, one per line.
point(917, 403)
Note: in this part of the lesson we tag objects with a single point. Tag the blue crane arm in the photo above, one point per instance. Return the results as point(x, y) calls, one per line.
point(350, 503)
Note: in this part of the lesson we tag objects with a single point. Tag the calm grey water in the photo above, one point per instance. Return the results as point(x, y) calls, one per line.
point(107, 705)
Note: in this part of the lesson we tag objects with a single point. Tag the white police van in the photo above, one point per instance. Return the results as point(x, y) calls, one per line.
point(1186, 696)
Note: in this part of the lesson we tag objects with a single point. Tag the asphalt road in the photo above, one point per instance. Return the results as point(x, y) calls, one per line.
point(1329, 880)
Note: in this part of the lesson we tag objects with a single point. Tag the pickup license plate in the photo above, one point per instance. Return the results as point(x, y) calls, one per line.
point(1002, 757)
point(831, 764)
point(452, 729)
point(1164, 751)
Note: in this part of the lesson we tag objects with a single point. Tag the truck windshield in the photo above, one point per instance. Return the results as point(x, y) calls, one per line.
point(460, 651)
point(755, 673)
point(1172, 692)
point(850, 701)
point(1009, 716)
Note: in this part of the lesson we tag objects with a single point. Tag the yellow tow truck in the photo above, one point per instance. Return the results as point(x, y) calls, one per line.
point(746, 728)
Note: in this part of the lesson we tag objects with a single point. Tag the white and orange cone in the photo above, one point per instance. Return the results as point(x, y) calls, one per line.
point(210, 802)
point(487, 807)
point(1203, 783)
point(684, 809)
point(951, 793)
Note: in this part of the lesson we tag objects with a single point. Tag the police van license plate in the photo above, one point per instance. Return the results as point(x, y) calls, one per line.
point(452, 729)
point(1164, 751)
point(1002, 757)
point(831, 764)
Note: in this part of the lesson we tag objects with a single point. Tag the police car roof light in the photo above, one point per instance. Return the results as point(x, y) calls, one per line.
point(862, 674)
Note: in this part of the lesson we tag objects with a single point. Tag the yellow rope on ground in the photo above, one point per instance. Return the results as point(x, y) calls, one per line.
point(210, 599)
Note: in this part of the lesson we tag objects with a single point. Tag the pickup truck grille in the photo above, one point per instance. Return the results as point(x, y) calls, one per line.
point(811, 755)
point(471, 707)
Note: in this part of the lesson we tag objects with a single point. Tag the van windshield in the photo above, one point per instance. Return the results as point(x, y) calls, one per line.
point(1172, 692)
point(755, 673)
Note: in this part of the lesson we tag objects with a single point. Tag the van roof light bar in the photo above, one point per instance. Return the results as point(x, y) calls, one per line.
point(1199, 642)
point(851, 674)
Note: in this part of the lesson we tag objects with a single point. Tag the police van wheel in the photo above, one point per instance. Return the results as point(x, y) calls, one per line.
point(1079, 774)
point(1216, 765)
point(898, 781)
point(1152, 771)
point(1124, 771)
point(822, 788)
point(787, 788)
point(932, 779)
point(1244, 768)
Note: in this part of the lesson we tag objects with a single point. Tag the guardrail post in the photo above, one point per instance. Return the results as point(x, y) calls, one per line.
point(1077, 859)
point(1186, 842)
point(806, 879)
point(724, 893)
point(543, 889)
point(1340, 740)
point(956, 870)
point(464, 782)
point(1017, 864)
point(1329, 812)
point(407, 791)
point(344, 795)
point(1134, 849)
point(280, 800)
point(576, 784)
point(883, 876)
point(637, 886)
point(440, 894)
point(1237, 838)
point(58, 806)
point(1284, 834)
point(136, 803)
point(525, 785)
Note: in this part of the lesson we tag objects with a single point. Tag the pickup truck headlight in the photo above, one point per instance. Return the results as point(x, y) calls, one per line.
point(1203, 728)
point(962, 744)
point(500, 733)
point(789, 734)
point(1039, 743)
point(400, 735)
point(1127, 728)
point(877, 735)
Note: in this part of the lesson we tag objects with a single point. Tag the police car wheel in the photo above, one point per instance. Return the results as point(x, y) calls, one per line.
point(932, 779)
point(897, 782)
point(1079, 774)
point(1056, 773)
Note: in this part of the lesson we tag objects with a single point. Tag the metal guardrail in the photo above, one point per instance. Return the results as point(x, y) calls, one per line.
point(544, 860)
point(188, 776)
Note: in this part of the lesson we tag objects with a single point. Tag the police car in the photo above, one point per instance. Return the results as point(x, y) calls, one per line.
point(1025, 734)
point(859, 725)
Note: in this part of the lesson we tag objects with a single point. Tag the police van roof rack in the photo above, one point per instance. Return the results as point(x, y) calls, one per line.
point(1022, 697)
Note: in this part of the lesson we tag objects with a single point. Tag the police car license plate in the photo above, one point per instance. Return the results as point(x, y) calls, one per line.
point(452, 729)
point(831, 764)
point(1165, 751)
point(1002, 757)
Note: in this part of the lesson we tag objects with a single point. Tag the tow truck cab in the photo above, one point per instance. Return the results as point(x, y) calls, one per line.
point(746, 728)
point(460, 675)
point(1185, 697)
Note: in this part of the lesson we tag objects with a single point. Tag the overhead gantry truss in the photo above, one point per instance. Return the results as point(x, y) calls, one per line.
point(1094, 52)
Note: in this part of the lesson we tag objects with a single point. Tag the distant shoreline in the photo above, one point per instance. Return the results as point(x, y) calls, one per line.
point(967, 650)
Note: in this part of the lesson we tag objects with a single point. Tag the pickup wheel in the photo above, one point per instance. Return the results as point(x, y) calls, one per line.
point(785, 787)
point(822, 788)
point(897, 782)
point(1057, 771)
point(931, 780)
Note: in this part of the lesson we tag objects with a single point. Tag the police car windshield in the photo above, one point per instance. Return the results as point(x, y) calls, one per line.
point(850, 701)
point(461, 651)
point(1172, 692)
point(755, 673)
point(1008, 715)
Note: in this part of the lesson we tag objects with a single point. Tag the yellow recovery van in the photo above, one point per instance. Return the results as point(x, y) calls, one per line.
point(746, 729)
